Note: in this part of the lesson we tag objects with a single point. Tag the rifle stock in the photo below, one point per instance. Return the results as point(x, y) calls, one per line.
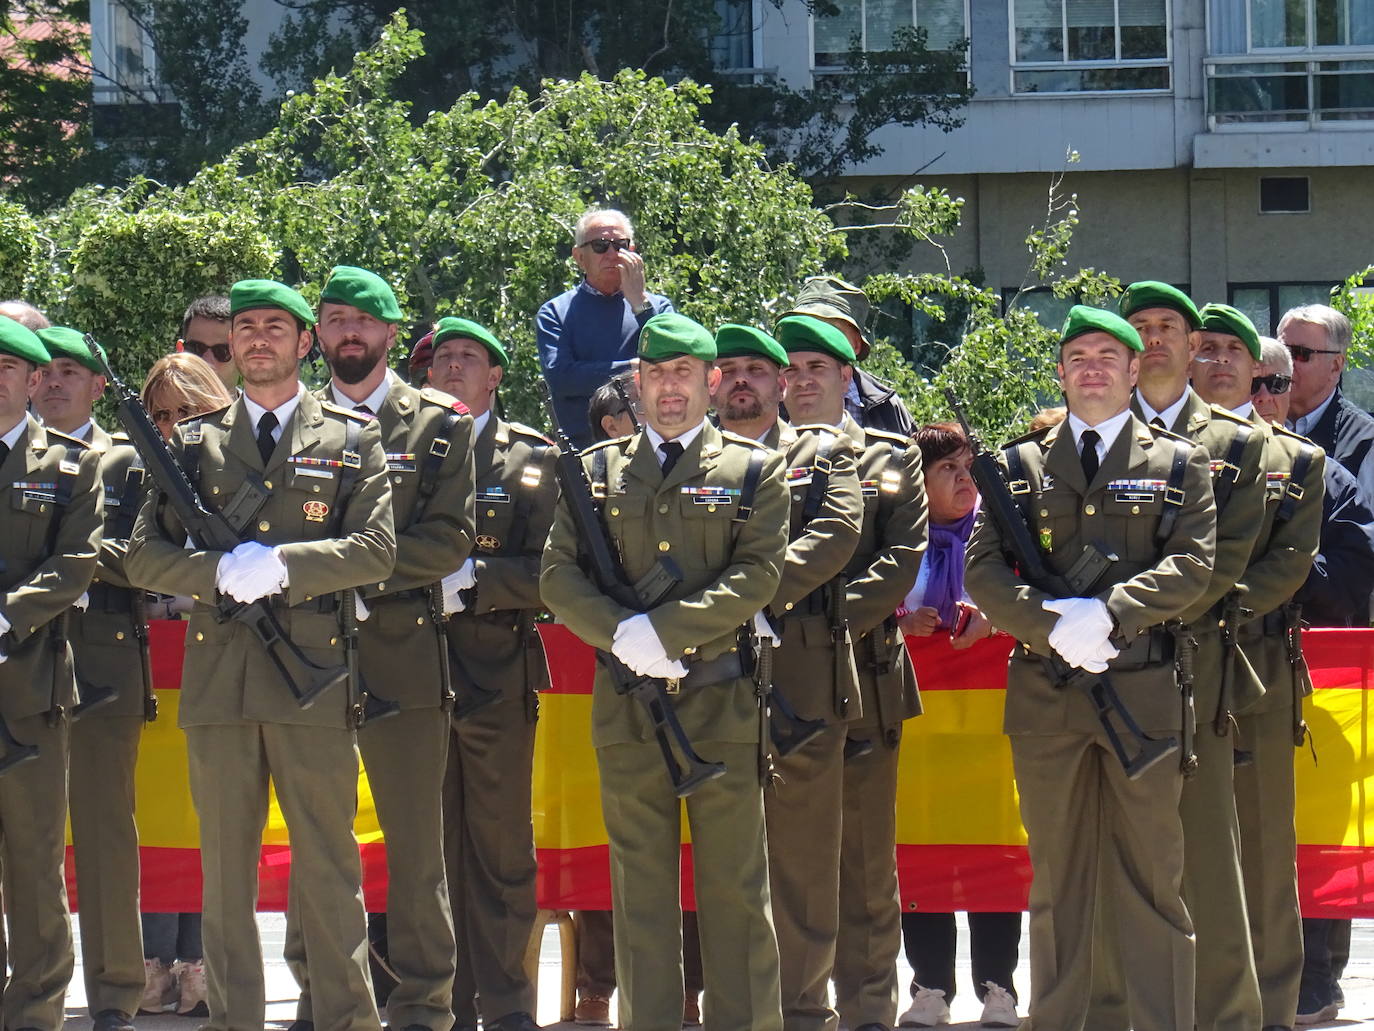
point(1025, 553)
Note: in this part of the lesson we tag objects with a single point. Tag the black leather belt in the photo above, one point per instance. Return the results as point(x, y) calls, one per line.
point(109, 598)
point(708, 672)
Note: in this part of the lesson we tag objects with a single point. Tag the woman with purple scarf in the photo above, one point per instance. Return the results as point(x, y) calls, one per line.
point(937, 605)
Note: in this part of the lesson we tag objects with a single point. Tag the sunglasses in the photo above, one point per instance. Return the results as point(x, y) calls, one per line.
point(1276, 383)
point(600, 246)
point(220, 351)
point(1304, 354)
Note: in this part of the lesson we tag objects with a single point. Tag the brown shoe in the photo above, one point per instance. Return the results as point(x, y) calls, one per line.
point(691, 1011)
point(593, 1011)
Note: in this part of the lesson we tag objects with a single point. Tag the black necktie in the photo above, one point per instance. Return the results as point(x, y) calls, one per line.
point(1158, 423)
point(1089, 455)
point(4, 452)
point(266, 445)
point(364, 410)
point(672, 451)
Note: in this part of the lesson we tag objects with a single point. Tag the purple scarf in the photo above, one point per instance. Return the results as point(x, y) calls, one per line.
point(944, 558)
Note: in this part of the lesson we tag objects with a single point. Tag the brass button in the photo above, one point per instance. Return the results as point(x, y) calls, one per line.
point(788, 606)
point(491, 513)
point(381, 586)
point(195, 597)
point(199, 636)
point(396, 480)
point(333, 640)
point(317, 488)
point(796, 497)
point(710, 508)
point(214, 490)
point(309, 598)
point(1089, 510)
point(1044, 513)
point(663, 545)
point(267, 484)
point(615, 511)
point(264, 526)
point(733, 648)
point(662, 509)
point(419, 620)
point(1135, 510)
point(42, 508)
point(689, 651)
point(119, 635)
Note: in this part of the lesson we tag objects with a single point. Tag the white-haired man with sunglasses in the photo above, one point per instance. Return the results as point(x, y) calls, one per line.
point(1318, 337)
point(588, 334)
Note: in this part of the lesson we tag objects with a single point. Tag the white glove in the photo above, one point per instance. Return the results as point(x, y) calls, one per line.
point(83, 602)
point(463, 579)
point(668, 669)
point(4, 624)
point(360, 609)
point(1082, 631)
point(763, 628)
point(252, 571)
point(637, 645)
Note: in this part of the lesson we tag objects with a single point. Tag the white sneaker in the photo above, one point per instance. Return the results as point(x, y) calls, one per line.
point(999, 1008)
point(159, 986)
point(928, 1009)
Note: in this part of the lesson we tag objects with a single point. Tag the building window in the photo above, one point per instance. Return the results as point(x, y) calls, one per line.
point(1075, 46)
point(874, 23)
point(1285, 194)
point(1297, 61)
point(122, 55)
point(1265, 303)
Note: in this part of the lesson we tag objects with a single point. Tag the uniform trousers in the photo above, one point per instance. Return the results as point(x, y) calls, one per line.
point(1265, 800)
point(104, 751)
point(730, 873)
point(596, 954)
point(315, 773)
point(33, 831)
point(1093, 832)
point(804, 816)
point(404, 757)
point(870, 933)
point(489, 849)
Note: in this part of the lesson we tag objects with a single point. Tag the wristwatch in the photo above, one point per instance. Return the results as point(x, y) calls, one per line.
point(642, 306)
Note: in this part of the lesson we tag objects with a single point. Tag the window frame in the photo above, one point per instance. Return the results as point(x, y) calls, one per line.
point(837, 69)
point(1015, 65)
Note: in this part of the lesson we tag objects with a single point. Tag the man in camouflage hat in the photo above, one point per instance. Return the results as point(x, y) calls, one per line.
point(49, 547)
point(108, 630)
point(878, 575)
point(715, 504)
point(401, 648)
point(870, 401)
point(1104, 480)
point(813, 666)
point(498, 668)
point(317, 476)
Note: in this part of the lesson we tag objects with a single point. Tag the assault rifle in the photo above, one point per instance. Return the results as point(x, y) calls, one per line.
point(212, 530)
point(602, 565)
point(1022, 549)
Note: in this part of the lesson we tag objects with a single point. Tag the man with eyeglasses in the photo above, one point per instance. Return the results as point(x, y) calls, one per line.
point(205, 334)
point(1317, 337)
point(588, 334)
point(1227, 372)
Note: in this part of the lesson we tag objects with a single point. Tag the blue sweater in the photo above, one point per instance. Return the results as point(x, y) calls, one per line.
point(585, 337)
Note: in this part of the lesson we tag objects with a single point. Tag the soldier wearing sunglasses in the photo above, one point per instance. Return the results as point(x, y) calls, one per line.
point(588, 334)
point(205, 334)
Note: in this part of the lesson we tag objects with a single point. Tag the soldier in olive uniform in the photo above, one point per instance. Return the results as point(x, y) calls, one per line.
point(324, 526)
point(49, 548)
point(813, 667)
point(1143, 498)
point(1227, 992)
point(680, 489)
point(879, 574)
point(498, 669)
point(109, 638)
point(1224, 371)
point(401, 648)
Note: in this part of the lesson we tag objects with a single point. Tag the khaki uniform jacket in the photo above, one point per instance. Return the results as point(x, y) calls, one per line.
point(883, 568)
point(399, 643)
point(818, 552)
point(730, 572)
point(1148, 583)
point(106, 640)
point(1283, 556)
point(228, 675)
point(494, 639)
point(40, 584)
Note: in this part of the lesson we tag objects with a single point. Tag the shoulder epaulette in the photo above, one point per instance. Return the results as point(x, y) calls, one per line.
point(1161, 432)
point(527, 431)
point(58, 437)
point(212, 414)
point(443, 400)
point(1279, 430)
point(735, 438)
point(1027, 437)
point(599, 445)
point(120, 437)
point(1217, 412)
point(330, 406)
point(892, 438)
point(817, 427)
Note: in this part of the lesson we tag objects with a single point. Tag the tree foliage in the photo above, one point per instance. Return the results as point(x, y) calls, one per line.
point(1355, 297)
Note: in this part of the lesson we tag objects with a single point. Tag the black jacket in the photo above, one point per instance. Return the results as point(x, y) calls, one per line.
point(879, 406)
point(1346, 434)
point(1337, 590)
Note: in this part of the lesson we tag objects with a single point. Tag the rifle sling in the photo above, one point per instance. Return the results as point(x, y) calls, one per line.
point(1293, 491)
point(1230, 470)
point(1173, 491)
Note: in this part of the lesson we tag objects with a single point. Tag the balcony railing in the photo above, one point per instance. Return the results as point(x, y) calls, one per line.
point(1287, 90)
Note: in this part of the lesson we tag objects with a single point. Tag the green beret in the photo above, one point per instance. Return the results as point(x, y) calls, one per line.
point(805, 333)
point(1222, 318)
point(19, 340)
point(348, 284)
point(452, 329)
point(669, 335)
point(248, 294)
point(1152, 294)
point(1083, 319)
point(736, 341)
point(62, 342)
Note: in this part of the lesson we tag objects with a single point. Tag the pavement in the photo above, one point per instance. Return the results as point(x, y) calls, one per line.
point(965, 1009)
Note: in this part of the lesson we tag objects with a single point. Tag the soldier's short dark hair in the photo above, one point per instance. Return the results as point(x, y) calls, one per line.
point(211, 306)
point(939, 440)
